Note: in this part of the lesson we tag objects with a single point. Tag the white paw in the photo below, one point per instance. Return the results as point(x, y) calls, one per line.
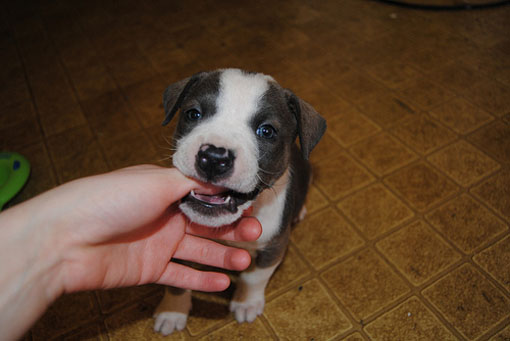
point(247, 311)
point(302, 213)
point(167, 322)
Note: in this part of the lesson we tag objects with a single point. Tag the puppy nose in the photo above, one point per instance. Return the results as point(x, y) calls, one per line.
point(213, 162)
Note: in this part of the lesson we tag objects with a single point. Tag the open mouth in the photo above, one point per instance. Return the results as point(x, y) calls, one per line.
point(213, 204)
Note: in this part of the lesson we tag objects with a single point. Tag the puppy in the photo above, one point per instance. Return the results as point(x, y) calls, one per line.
point(237, 130)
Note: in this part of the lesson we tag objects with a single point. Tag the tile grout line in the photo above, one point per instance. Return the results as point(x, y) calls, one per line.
point(32, 99)
point(74, 91)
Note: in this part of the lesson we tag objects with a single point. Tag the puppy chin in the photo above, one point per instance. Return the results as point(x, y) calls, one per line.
point(214, 219)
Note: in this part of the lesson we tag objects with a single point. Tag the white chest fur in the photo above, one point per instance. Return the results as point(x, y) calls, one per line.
point(268, 209)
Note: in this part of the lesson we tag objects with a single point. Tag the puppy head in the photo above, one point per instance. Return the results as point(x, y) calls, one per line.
point(235, 131)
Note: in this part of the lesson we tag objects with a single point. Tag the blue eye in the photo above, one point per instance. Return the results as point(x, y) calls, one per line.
point(266, 131)
point(193, 115)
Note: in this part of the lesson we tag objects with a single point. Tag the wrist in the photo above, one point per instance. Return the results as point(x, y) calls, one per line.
point(29, 260)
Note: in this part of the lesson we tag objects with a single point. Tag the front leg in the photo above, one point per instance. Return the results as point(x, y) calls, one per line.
point(172, 312)
point(248, 301)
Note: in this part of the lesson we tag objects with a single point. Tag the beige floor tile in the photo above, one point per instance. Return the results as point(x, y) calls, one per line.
point(110, 114)
point(128, 66)
point(494, 138)
point(425, 93)
point(325, 66)
point(495, 191)
point(354, 337)
point(492, 62)
point(208, 311)
point(291, 270)
point(463, 163)
point(111, 300)
point(350, 126)
point(324, 99)
point(502, 335)
point(394, 75)
point(490, 95)
point(89, 75)
point(355, 87)
point(340, 176)
point(147, 99)
point(423, 134)
point(506, 118)
point(76, 153)
point(329, 229)
point(410, 320)
point(20, 133)
point(95, 331)
point(65, 314)
point(306, 312)
point(129, 149)
point(418, 252)
point(383, 153)
point(495, 260)
point(387, 109)
point(474, 306)
point(365, 292)
point(422, 186)
point(460, 115)
point(456, 76)
point(243, 331)
point(92, 80)
point(315, 200)
point(327, 148)
point(427, 58)
point(374, 210)
point(466, 223)
point(17, 113)
point(165, 59)
point(16, 90)
point(57, 106)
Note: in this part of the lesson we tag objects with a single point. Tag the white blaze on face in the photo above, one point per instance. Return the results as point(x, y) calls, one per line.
point(238, 101)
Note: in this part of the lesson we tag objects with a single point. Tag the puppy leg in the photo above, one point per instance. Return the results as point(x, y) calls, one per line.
point(172, 312)
point(248, 301)
point(301, 216)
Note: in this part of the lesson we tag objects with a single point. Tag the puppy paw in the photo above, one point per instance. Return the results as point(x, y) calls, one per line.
point(301, 216)
point(167, 322)
point(247, 311)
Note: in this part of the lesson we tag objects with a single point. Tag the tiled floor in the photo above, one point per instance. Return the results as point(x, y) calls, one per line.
point(407, 235)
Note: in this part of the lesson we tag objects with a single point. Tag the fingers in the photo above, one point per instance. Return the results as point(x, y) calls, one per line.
point(246, 229)
point(208, 252)
point(181, 276)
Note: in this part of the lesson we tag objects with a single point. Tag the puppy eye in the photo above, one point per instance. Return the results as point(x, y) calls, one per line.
point(193, 115)
point(266, 131)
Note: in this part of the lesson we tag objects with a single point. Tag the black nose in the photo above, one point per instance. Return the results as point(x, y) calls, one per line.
point(213, 162)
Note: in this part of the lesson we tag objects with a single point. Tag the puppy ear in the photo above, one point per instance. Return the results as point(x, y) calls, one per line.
point(310, 125)
point(174, 96)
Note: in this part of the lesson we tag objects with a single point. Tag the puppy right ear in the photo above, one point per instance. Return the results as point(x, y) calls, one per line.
point(174, 96)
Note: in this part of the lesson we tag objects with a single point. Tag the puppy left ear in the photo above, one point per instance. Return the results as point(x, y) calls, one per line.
point(174, 96)
point(310, 125)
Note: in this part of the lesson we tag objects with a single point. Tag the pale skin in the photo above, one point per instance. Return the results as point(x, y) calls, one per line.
point(111, 230)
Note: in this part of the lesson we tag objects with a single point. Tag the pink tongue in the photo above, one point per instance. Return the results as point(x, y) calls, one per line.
point(211, 199)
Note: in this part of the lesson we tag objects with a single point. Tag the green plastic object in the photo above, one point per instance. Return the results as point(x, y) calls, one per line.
point(14, 172)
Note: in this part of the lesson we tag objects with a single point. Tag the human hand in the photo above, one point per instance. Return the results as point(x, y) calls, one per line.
point(121, 229)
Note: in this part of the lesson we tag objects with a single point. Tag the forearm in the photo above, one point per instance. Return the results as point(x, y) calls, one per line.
point(28, 275)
